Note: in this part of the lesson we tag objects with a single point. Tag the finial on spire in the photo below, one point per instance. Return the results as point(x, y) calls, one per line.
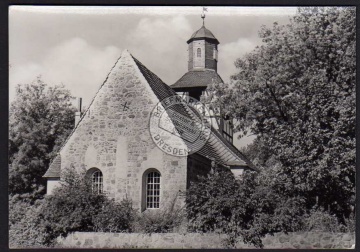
point(203, 15)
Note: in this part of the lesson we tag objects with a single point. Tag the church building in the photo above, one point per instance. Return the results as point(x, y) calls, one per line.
point(113, 143)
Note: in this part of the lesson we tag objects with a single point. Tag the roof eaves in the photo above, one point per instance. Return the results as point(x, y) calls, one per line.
point(234, 150)
point(54, 168)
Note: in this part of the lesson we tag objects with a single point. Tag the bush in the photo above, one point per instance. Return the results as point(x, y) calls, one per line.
point(247, 209)
point(160, 221)
point(71, 207)
point(74, 207)
point(25, 224)
point(350, 223)
point(114, 217)
point(321, 220)
point(210, 201)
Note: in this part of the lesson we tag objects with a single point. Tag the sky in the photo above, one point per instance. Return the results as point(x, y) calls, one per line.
point(77, 46)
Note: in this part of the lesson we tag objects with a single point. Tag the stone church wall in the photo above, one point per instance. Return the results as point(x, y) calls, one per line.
point(113, 136)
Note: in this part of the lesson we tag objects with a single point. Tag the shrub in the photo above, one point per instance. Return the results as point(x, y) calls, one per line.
point(247, 209)
point(160, 221)
point(114, 217)
point(74, 207)
point(25, 225)
point(350, 223)
point(321, 220)
point(210, 201)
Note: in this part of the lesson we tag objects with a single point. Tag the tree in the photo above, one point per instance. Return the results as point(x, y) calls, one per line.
point(245, 209)
point(41, 117)
point(296, 92)
point(25, 225)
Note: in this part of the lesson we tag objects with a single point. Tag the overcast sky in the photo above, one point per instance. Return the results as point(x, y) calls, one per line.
point(77, 46)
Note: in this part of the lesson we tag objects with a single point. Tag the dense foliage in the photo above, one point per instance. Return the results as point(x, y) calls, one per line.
point(114, 217)
point(167, 220)
point(245, 209)
point(25, 224)
point(41, 117)
point(296, 92)
point(74, 207)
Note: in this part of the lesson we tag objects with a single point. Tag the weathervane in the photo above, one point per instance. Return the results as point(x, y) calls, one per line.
point(203, 15)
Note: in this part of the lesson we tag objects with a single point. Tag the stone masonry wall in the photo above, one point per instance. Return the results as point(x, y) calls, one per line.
point(114, 137)
point(298, 240)
point(198, 62)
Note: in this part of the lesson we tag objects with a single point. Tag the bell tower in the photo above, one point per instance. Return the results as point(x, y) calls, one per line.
point(202, 71)
point(203, 51)
point(202, 63)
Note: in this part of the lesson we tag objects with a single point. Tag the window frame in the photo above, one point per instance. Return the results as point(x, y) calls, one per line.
point(198, 52)
point(96, 183)
point(154, 186)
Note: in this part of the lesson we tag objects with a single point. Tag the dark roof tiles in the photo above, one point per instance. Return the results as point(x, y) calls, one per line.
point(203, 33)
point(54, 168)
point(197, 78)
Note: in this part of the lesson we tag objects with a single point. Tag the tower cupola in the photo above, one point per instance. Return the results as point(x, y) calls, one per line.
point(202, 63)
point(203, 51)
point(202, 72)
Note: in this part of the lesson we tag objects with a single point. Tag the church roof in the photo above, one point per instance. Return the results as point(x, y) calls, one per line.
point(216, 147)
point(54, 168)
point(203, 33)
point(197, 78)
point(243, 161)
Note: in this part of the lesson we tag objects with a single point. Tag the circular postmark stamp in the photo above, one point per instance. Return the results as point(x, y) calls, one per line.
point(180, 125)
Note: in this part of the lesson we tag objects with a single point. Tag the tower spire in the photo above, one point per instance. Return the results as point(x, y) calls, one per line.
point(203, 15)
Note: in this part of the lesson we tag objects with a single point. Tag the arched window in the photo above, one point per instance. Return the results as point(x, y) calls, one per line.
point(96, 179)
point(198, 52)
point(152, 189)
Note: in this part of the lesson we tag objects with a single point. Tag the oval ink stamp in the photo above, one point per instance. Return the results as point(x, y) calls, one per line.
point(180, 125)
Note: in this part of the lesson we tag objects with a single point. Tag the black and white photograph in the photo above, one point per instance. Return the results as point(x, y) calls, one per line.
point(182, 127)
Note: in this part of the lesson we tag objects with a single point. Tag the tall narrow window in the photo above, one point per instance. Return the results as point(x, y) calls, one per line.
point(153, 189)
point(97, 182)
point(198, 51)
point(95, 177)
